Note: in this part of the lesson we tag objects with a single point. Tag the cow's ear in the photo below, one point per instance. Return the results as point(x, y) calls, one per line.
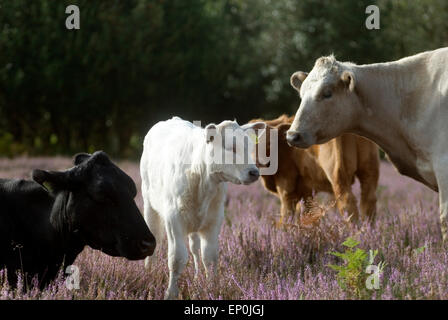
point(101, 157)
point(348, 78)
point(80, 158)
point(281, 131)
point(283, 128)
point(297, 78)
point(259, 127)
point(255, 130)
point(211, 131)
point(50, 180)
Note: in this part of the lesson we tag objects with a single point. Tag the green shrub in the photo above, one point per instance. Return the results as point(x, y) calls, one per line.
point(352, 275)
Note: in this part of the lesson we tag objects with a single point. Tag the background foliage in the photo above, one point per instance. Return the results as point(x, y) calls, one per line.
point(137, 62)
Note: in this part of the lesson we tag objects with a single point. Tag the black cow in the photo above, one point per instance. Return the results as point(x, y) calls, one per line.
point(45, 223)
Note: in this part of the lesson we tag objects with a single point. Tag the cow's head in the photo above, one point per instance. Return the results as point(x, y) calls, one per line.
point(281, 126)
point(329, 103)
point(231, 151)
point(94, 201)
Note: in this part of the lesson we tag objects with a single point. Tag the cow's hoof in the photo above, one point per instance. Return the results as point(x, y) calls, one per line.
point(445, 241)
point(147, 263)
point(354, 219)
point(171, 295)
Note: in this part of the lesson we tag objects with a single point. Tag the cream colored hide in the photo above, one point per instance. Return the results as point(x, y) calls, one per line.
point(400, 105)
point(184, 184)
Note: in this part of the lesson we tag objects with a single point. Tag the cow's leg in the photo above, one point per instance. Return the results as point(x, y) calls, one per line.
point(152, 219)
point(209, 237)
point(155, 225)
point(340, 173)
point(341, 185)
point(147, 214)
point(195, 247)
point(299, 206)
point(346, 201)
point(288, 207)
point(286, 189)
point(369, 183)
point(368, 172)
point(442, 183)
point(209, 233)
point(177, 255)
point(443, 203)
point(210, 249)
point(305, 194)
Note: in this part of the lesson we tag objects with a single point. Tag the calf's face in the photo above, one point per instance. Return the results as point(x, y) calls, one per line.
point(231, 151)
point(98, 199)
point(329, 103)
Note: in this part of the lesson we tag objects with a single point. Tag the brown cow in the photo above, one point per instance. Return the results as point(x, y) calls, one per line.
point(330, 167)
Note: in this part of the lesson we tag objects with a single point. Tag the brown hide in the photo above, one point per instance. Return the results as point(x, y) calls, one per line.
point(329, 167)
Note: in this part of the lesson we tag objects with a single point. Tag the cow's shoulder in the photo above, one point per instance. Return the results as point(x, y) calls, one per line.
point(21, 197)
point(22, 203)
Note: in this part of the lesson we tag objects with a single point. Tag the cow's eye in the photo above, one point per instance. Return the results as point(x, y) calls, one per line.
point(327, 94)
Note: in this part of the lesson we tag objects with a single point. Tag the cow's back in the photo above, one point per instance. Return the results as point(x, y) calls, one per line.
point(169, 150)
point(23, 205)
point(24, 217)
point(19, 200)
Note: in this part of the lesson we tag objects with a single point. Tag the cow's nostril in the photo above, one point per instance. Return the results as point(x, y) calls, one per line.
point(148, 246)
point(254, 173)
point(293, 136)
point(146, 243)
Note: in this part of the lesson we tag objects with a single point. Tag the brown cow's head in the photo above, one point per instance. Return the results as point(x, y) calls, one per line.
point(329, 103)
point(281, 124)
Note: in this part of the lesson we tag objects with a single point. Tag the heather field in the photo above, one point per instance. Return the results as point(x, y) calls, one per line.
point(259, 261)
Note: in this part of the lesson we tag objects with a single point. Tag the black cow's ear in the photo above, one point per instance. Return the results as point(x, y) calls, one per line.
point(101, 157)
point(80, 158)
point(50, 180)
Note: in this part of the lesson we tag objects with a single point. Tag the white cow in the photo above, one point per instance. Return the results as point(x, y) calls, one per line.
point(184, 184)
point(400, 105)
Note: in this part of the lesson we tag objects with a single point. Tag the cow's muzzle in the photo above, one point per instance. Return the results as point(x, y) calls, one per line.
point(297, 139)
point(136, 249)
point(147, 247)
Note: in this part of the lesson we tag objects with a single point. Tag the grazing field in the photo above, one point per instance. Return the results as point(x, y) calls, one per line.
point(259, 261)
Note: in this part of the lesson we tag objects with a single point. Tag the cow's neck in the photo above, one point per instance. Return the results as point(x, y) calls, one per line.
point(201, 179)
point(380, 104)
point(64, 231)
point(198, 195)
point(380, 88)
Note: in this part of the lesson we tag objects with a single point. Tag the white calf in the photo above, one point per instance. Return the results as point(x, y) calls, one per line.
point(184, 171)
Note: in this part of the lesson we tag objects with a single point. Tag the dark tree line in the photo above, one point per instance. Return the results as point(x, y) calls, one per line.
point(136, 62)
